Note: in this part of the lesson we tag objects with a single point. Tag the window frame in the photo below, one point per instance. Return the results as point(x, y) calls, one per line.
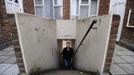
point(56, 5)
point(42, 5)
point(89, 9)
point(128, 19)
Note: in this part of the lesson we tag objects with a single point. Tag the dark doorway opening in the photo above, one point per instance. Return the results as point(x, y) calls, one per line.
point(61, 45)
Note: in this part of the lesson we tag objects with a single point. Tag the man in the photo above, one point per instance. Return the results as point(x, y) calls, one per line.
point(67, 54)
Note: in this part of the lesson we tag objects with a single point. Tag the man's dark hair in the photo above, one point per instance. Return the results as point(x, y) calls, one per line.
point(16, 1)
point(68, 43)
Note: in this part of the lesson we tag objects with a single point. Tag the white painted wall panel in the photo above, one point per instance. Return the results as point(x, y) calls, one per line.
point(118, 7)
point(38, 42)
point(13, 6)
point(91, 56)
point(66, 29)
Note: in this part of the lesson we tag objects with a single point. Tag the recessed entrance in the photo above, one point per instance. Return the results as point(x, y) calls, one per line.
point(61, 46)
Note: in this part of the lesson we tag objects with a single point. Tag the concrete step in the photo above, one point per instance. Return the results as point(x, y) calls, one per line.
point(66, 72)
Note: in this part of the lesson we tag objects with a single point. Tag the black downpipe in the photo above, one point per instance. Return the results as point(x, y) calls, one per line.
point(90, 27)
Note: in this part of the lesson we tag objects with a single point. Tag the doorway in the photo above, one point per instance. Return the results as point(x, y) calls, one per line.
point(61, 45)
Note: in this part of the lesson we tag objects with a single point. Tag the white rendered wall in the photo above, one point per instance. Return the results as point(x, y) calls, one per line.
point(91, 56)
point(38, 42)
point(66, 29)
point(118, 7)
point(13, 7)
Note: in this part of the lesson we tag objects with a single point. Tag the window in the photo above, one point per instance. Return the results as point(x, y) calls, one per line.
point(87, 8)
point(130, 21)
point(93, 10)
point(55, 2)
point(39, 8)
point(38, 2)
point(58, 12)
point(58, 9)
point(84, 11)
point(84, 1)
point(74, 9)
point(58, 2)
point(48, 9)
point(51, 9)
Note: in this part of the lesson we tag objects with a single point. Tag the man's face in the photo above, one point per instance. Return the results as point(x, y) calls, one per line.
point(67, 45)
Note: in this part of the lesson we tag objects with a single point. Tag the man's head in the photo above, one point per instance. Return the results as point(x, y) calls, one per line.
point(68, 44)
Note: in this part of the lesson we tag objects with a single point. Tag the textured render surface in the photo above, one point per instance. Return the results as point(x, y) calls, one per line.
point(91, 56)
point(66, 29)
point(37, 37)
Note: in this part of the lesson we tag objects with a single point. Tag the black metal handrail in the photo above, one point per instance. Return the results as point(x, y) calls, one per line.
point(90, 27)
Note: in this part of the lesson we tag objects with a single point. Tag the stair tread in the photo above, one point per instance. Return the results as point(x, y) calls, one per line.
point(66, 72)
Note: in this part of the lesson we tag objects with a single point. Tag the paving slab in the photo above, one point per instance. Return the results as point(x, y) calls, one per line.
point(9, 48)
point(114, 54)
point(3, 58)
point(128, 52)
point(117, 47)
point(120, 53)
point(118, 59)
point(124, 62)
point(10, 53)
point(13, 70)
point(115, 70)
point(129, 59)
point(7, 62)
point(113, 62)
point(132, 56)
point(3, 52)
point(4, 67)
point(11, 60)
point(128, 68)
point(132, 64)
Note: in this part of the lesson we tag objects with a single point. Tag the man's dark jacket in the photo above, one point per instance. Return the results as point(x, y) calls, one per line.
point(68, 53)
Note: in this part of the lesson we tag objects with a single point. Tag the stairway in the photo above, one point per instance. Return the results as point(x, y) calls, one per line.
point(37, 45)
point(67, 72)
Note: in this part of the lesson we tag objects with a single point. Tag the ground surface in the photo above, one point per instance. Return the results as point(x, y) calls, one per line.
point(8, 64)
point(66, 72)
point(123, 62)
